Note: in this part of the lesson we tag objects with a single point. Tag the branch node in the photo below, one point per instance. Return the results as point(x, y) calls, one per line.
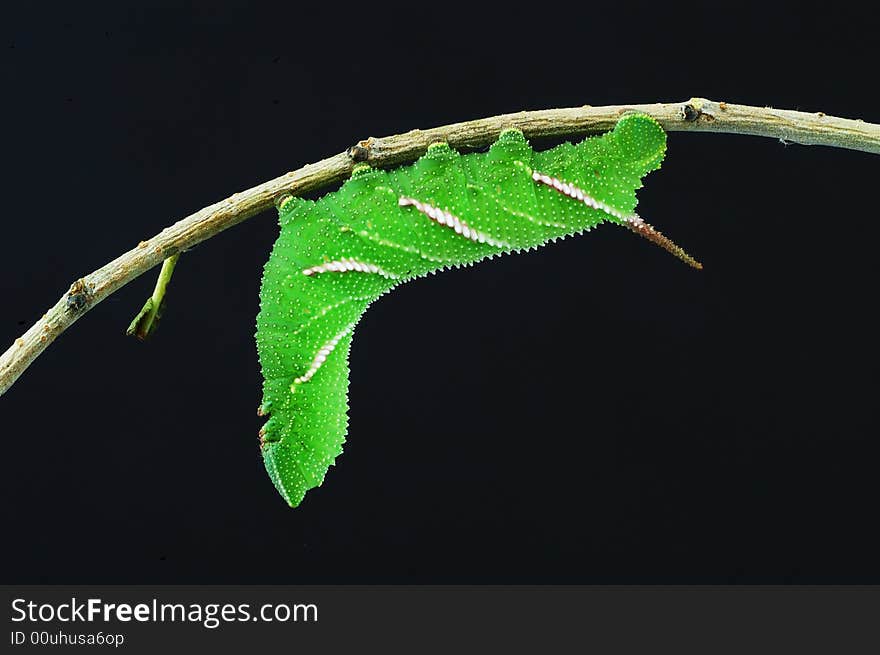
point(360, 152)
point(690, 113)
point(78, 296)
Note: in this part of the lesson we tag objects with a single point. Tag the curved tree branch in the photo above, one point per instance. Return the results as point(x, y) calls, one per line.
point(696, 115)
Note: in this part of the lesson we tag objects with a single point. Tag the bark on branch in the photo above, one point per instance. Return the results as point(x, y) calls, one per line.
point(695, 115)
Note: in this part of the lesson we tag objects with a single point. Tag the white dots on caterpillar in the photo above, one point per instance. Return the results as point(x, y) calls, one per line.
point(397, 246)
point(326, 310)
point(322, 355)
point(632, 221)
point(572, 191)
point(451, 221)
point(349, 264)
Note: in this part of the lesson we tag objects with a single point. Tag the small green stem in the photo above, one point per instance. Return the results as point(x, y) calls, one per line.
point(145, 323)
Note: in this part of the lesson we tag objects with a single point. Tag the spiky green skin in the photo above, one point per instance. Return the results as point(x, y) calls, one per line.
point(491, 192)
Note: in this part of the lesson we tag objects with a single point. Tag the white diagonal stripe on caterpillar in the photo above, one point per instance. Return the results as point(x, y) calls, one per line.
point(321, 356)
point(572, 191)
point(632, 221)
point(451, 221)
point(349, 264)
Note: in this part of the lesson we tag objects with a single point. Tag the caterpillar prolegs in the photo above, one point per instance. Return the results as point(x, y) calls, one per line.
point(336, 255)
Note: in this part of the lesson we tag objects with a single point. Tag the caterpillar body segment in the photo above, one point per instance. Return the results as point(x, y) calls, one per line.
point(336, 255)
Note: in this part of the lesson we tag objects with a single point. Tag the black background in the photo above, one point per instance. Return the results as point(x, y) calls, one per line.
point(592, 412)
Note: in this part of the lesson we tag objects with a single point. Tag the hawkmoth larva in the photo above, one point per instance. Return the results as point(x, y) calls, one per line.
point(336, 255)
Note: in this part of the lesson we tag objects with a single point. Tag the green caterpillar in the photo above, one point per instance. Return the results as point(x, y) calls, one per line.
point(338, 254)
